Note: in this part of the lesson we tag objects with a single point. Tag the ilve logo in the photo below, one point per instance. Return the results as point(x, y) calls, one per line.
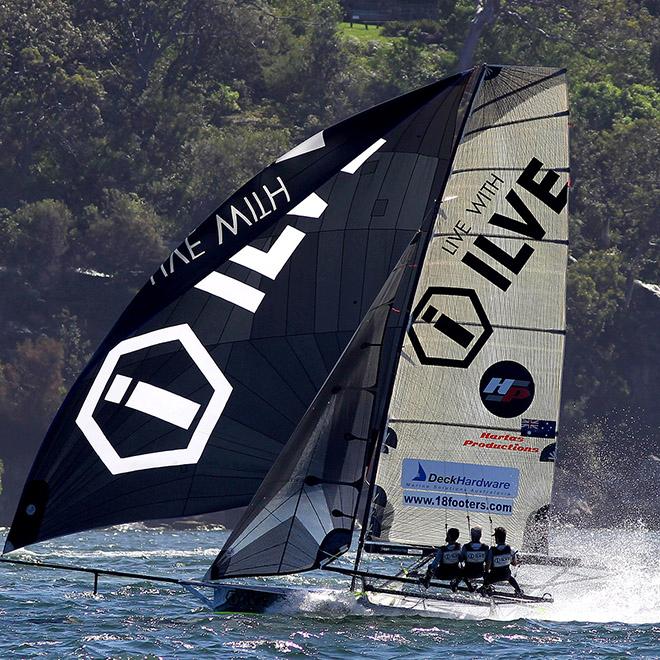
point(156, 402)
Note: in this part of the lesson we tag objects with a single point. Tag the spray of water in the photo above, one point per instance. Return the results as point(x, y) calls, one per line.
point(625, 589)
point(619, 582)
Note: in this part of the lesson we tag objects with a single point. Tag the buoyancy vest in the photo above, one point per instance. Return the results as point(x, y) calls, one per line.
point(451, 554)
point(501, 557)
point(475, 556)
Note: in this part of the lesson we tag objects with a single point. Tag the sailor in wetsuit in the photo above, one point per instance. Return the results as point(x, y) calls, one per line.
point(473, 555)
point(445, 563)
point(500, 559)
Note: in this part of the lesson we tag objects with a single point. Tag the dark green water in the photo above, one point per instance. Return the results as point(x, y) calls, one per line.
point(54, 614)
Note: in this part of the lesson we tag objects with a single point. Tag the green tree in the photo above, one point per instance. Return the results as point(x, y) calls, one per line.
point(31, 383)
point(35, 240)
point(124, 237)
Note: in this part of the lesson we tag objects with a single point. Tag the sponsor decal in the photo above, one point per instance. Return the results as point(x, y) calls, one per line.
point(244, 210)
point(506, 389)
point(421, 475)
point(437, 338)
point(538, 428)
point(195, 419)
point(521, 221)
point(464, 478)
point(464, 328)
point(470, 504)
point(549, 453)
point(502, 436)
point(249, 210)
point(502, 441)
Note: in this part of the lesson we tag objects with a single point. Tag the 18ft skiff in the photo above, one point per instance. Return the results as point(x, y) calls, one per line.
point(371, 330)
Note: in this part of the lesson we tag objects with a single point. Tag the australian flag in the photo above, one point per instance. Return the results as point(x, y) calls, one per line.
point(538, 428)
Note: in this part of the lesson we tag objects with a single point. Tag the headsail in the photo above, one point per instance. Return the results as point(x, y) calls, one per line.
point(192, 395)
point(474, 411)
point(304, 512)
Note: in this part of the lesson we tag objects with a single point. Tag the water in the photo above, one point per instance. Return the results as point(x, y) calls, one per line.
point(51, 613)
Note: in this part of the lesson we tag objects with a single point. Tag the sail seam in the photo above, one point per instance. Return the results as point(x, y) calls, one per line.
point(403, 201)
point(556, 241)
point(446, 126)
point(552, 331)
point(456, 424)
point(371, 220)
point(556, 74)
point(563, 113)
point(509, 169)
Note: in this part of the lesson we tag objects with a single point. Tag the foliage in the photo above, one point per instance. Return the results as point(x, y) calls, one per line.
point(125, 122)
point(36, 238)
point(32, 380)
point(123, 236)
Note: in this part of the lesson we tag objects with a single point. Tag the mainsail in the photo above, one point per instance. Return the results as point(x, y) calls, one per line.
point(473, 417)
point(206, 375)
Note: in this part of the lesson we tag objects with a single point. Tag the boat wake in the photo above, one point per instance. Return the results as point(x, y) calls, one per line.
point(324, 603)
point(625, 587)
point(626, 590)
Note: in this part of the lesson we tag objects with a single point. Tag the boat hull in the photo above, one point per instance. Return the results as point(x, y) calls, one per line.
point(247, 599)
point(444, 609)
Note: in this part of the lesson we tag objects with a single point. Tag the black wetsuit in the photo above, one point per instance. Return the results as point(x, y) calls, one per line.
point(499, 559)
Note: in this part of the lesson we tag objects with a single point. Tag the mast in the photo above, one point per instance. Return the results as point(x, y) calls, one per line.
point(371, 465)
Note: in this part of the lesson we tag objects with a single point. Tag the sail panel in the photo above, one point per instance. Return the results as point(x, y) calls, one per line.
point(304, 512)
point(244, 321)
point(476, 398)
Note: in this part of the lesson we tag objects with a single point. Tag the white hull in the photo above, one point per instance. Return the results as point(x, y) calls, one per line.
point(431, 607)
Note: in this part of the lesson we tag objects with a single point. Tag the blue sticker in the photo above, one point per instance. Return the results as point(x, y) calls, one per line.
point(466, 478)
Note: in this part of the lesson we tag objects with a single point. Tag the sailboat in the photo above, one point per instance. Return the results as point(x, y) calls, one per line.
point(363, 344)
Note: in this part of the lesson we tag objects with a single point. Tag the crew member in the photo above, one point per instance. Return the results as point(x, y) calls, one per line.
point(445, 564)
point(473, 555)
point(498, 565)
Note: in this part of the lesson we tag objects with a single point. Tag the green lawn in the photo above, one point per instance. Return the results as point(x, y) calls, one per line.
point(359, 31)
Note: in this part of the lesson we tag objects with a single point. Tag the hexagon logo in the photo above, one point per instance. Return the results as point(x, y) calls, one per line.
point(449, 327)
point(155, 401)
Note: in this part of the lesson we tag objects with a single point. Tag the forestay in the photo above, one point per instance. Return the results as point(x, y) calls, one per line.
point(474, 412)
point(191, 397)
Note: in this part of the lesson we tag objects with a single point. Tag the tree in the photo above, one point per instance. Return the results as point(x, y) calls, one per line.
point(31, 384)
point(124, 237)
point(35, 240)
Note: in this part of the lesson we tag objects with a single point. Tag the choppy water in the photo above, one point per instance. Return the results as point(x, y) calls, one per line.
point(54, 614)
